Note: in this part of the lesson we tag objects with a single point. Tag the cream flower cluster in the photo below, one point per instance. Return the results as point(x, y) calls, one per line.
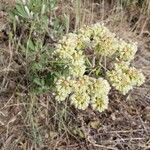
point(126, 51)
point(67, 51)
point(100, 38)
point(83, 92)
point(99, 90)
point(124, 77)
point(63, 89)
point(80, 98)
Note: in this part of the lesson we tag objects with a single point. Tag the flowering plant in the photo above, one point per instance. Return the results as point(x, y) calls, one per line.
point(90, 75)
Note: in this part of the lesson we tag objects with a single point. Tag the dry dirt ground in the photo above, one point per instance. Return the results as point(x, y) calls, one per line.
point(124, 126)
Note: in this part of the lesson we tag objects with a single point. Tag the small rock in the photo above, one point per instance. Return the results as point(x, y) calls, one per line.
point(2, 14)
point(95, 124)
point(146, 113)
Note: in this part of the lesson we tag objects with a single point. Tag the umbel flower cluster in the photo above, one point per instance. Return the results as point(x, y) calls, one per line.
point(123, 77)
point(83, 90)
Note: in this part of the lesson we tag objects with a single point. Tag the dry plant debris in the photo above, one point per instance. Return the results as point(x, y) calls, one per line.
point(29, 121)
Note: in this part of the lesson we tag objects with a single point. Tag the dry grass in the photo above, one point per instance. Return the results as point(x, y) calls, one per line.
point(31, 122)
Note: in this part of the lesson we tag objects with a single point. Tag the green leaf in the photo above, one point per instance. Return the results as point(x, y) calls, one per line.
point(20, 10)
point(53, 4)
point(31, 45)
point(37, 81)
point(97, 72)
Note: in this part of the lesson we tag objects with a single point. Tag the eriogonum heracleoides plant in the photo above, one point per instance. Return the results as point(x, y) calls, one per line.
point(90, 77)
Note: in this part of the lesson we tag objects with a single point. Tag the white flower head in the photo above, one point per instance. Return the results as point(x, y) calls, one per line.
point(124, 77)
point(80, 100)
point(99, 87)
point(100, 103)
point(126, 51)
point(63, 89)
